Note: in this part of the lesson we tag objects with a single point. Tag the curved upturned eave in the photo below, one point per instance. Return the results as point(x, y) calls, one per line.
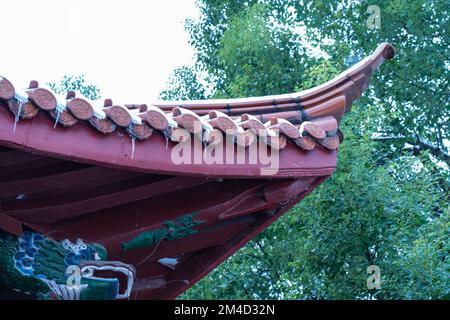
point(114, 148)
point(363, 68)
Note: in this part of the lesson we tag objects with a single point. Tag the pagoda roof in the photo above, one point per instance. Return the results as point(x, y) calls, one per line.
point(73, 169)
point(41, 121)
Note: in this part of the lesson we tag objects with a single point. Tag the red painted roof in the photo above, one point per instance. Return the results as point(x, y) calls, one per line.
point(307, 118)
point(68, 170)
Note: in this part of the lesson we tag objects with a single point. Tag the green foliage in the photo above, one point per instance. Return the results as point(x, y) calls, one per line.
point(184, 84)
point(412, 91)
point(76, 83)
point(207, 32)
point(387, 203)
point(361, 216)
point(319, 74)
point(256, 51)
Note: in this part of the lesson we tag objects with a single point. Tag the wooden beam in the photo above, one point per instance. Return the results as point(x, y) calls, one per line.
point(63, 183)
point(104, 197)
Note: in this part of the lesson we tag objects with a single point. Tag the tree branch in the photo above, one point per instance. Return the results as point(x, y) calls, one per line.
point(418, 145)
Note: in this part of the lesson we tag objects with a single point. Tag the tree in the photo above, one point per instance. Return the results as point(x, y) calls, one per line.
point(76, 83)
point(412, 92)
point(387, 203)
point(184, 84)
point(255, 50)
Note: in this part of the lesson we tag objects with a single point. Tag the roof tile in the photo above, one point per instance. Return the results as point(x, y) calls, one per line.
point(140, 121)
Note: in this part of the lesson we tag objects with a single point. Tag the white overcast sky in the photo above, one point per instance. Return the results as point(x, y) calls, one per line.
point(127, 48)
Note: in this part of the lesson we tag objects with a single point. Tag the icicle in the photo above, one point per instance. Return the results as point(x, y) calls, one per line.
point(206, 136)
point(22, 98)
point(205, 149)
point(133, 146)
point(17, 116)
point(167, 133)
point(58, 114)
